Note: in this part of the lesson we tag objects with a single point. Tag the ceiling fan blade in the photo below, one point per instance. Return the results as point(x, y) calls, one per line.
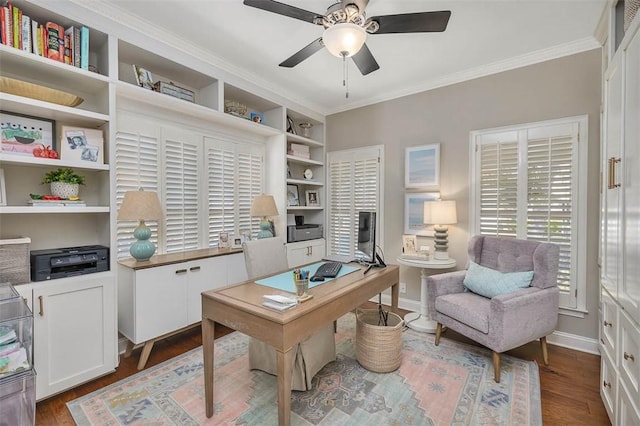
point(365, 61)
point(420, 22)
point(283, 9)
point(303, 53)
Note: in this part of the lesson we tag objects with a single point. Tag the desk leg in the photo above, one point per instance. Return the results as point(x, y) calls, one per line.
point(420, 321)
point(395, 296)
point(208, 334)
point(284, 360)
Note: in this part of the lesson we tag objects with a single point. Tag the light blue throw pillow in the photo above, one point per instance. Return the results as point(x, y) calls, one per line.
point(489, 283)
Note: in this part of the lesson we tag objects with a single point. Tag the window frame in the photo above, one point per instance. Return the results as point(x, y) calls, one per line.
point(572, 302)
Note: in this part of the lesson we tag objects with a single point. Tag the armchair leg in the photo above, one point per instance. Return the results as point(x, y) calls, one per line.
point(438, 333)
point(545, 353)
point(496, 366)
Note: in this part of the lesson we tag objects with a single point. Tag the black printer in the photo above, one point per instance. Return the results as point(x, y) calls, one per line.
point(67, 262)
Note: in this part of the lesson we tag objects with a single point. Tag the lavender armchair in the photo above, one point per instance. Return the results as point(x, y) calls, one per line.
point(508, 320)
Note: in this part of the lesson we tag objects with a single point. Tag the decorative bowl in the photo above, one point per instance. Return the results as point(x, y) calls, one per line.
point(35, 91)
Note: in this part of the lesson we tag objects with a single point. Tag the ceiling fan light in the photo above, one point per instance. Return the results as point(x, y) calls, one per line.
point(344, 37)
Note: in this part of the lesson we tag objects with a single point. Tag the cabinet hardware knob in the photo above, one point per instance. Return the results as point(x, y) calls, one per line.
point(607, 323)
point(41, 302)
point(181, 271)
point(606, 385)
point(629, 356)
point(194, 268)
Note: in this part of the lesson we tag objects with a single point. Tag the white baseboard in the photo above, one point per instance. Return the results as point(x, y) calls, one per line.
point(558, 338)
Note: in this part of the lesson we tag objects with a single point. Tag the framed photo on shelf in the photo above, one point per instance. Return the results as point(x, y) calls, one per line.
point(312, 198)
point(422, 166)
point(291, 127)
point(414, 213)
point(409, 244)
point(81, 145)
point(223, 240)
point(256, 117)
point(22, 134)
point(236, 241)
point(143, 77)
point(3, 189)
point(293, 199)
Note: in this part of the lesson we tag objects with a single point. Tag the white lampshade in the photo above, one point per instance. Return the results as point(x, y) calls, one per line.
point(263, 206)
point(440, 212)
point(344, 37)
point(140, 205)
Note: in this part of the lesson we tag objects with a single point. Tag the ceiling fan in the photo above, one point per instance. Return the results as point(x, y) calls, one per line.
point(346, 27)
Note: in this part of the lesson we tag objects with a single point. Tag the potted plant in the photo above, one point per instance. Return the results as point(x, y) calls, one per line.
point(65, 183)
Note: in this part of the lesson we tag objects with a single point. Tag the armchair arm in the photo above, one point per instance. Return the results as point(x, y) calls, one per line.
point(441, 284)
point(522, 316)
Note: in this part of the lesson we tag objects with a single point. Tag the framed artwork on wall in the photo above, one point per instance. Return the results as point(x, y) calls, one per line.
point(293, 199)
point(422, 166)
point(414, 213)
point(22, 134)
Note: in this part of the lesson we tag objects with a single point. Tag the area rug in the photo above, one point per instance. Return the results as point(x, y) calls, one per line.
point(449, 384)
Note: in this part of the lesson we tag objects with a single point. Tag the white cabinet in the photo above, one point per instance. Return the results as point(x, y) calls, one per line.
point(160, 298)
point(74, 331)
point(304, 252)
point(620, 221)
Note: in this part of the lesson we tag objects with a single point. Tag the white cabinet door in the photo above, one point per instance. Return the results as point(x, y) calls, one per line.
point(74, 331)
point(629, 288)
point(305, 252)
point(160, 301)
point(204, 274)
point(611, 176)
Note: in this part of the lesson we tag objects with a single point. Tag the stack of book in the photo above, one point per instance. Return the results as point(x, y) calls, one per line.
point(49, 40)
point(299, 150)
point(57, 203)
point(278, 302)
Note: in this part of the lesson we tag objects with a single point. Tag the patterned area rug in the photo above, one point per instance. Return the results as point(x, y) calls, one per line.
point(449, 384)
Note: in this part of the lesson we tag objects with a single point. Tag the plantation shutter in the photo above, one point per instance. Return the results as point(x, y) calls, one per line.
point(527, 187)
point(136, 167)
point(235, 174)
point(181, 171)
point(550, 196)
point(354, 185)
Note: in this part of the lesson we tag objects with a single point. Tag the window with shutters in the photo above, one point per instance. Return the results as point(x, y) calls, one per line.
point(235, 174)
point(206, 185)
point(354, 184)
point(529, 181)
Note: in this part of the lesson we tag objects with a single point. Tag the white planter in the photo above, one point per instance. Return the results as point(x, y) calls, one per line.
point(65, 190)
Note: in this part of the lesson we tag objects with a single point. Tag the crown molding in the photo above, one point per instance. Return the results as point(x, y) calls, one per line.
point(543, 55)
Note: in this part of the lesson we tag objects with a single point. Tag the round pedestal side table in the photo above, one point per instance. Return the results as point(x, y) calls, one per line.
point(420, 321)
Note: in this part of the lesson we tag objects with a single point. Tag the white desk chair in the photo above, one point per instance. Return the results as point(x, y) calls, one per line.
point(268, 256)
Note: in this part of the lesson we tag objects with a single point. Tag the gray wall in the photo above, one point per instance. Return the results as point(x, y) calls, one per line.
point(564, 87)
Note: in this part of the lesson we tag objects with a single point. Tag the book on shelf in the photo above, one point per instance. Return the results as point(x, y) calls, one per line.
point(299, 147)
point(299, 154)
point(6, 20)
point(57, 203)
point(26, 34)
point(84, 48)
point(55, 41)
point(35, 44)
point(16, 21)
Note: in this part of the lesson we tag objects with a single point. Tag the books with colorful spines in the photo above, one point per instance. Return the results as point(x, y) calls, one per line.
point(26, 33)
point(35, 33)
point(54, 34)
point(67, 49)
point(84, 48)
point(6, 20)
point(16, 21)
point(75, 45)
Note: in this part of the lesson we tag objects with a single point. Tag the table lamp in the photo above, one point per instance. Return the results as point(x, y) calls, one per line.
point(264, 206)
point(141, 205)
point(439, 213)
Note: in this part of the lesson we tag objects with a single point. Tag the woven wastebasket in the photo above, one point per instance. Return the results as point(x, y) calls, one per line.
point(378, 347)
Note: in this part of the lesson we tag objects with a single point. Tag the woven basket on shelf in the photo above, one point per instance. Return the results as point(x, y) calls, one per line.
point(630, 9)
point(378, 347)
point(35, 91)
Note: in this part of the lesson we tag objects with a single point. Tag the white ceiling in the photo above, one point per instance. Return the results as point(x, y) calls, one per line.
point(483, 37)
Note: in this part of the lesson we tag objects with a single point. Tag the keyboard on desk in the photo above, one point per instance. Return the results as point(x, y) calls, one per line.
point(328, 270)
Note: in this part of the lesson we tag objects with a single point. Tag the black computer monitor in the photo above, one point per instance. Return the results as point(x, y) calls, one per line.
point(366, 248)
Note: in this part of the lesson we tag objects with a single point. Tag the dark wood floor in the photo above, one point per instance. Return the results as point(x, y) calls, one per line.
point(569, 385)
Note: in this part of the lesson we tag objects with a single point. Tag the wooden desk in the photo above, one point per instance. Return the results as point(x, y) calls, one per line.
point(240, 307)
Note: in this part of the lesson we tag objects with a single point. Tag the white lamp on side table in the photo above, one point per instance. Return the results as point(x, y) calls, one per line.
point(420, 321)
point(439, 213)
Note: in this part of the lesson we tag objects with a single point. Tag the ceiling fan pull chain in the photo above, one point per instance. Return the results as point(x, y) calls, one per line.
point(345, 74)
